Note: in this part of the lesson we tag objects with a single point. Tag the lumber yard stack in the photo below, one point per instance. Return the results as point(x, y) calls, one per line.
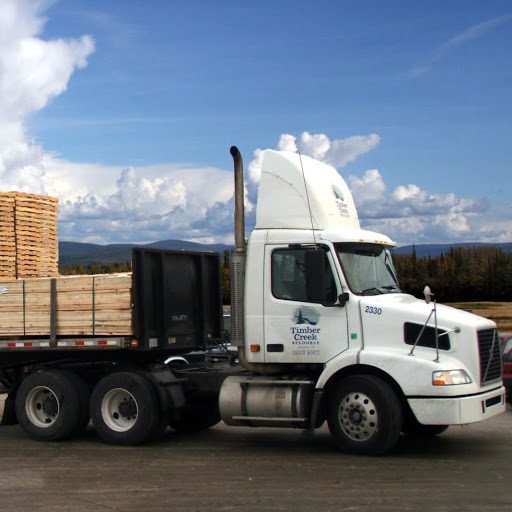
point(28, 236)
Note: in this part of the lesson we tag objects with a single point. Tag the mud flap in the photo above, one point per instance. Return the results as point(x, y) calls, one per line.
point(9, 415)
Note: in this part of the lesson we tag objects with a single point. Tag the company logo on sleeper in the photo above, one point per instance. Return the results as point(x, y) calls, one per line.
point(340, 203)
point(304, 334)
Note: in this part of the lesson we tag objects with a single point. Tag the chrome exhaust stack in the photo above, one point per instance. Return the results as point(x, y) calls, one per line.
point(237, 260)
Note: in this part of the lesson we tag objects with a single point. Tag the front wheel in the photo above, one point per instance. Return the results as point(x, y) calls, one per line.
point(364, 415)
point(124, 409)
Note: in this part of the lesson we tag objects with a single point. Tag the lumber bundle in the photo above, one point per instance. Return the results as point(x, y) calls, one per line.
point(28, 235)
point(97, 305)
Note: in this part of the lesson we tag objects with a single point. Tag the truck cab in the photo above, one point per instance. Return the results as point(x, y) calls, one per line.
point(323, 308)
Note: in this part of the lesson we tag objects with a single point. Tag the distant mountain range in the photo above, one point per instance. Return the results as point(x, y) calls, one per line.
point(76, 253)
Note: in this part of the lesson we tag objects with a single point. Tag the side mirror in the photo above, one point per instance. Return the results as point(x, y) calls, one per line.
point(428, 294)
point(343, 299)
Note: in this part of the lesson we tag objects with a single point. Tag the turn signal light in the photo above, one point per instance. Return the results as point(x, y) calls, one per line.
point(255, 348)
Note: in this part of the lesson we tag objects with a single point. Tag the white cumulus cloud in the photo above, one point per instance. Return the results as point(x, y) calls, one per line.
point(32, 72)
point(412, 215)
point(151, 203)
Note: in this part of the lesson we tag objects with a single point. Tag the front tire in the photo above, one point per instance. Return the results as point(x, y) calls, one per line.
point(124, 409)
point(364, 415)
point(48, 406)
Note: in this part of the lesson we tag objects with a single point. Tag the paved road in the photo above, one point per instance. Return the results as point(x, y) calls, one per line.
point(236, 469)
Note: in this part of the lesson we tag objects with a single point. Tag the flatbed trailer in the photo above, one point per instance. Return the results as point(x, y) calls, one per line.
point(56, 383)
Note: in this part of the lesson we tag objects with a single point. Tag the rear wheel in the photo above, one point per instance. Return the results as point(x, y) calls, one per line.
point(48, 406)
point(364, 415)
point(124, 409)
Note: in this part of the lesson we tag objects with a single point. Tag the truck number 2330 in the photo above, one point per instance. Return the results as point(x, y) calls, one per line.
point(373, 310)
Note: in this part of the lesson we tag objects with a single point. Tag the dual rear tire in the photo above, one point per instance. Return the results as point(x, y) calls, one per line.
point(125, 410)
point(52, 405)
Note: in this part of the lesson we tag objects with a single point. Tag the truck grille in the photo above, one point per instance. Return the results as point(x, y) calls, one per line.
point(490, 357)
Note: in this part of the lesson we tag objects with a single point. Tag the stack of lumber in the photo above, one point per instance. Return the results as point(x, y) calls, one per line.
point(98, 305)
point(28, 235)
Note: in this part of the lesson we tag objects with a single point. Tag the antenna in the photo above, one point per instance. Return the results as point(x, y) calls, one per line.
point(307, 199)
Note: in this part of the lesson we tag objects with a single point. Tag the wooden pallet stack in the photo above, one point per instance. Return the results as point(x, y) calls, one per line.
point(28, 235)
point(7, 237)
point(98, 305)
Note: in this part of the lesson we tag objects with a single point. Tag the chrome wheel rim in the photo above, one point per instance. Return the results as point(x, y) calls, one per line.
point(358, 416)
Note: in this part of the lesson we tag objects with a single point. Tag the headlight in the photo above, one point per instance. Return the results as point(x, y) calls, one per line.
point(450, 378)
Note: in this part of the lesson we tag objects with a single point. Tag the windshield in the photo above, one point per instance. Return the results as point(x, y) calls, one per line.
point(368, 268)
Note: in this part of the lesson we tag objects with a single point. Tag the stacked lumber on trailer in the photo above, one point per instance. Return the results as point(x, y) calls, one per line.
point(28, 235)
point(98, 305)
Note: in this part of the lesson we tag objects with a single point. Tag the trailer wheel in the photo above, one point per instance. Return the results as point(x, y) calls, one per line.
point(364, 415)
point(197, 417)
point(47, 406)
point(124, 409)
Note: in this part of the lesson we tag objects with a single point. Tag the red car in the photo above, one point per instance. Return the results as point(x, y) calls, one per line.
point(507, 374)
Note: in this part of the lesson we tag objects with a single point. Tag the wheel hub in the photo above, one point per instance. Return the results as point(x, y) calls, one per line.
point(50, 405)
point(128, 408)
point(355, 416)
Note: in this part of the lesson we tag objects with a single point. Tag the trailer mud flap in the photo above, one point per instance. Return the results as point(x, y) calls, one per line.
point(9, 415)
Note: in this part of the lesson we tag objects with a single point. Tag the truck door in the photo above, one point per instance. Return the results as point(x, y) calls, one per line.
point(297, 327)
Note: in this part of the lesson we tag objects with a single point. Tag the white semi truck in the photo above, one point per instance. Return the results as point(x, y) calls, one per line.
point(323, 331)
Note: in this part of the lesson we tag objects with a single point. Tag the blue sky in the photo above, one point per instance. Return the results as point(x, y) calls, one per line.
point(135, 105)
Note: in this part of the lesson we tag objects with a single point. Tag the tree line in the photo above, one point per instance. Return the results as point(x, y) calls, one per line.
point(80, 269)
point(463, 274)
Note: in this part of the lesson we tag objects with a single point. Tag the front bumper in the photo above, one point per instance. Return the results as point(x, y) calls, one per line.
point(458, 410)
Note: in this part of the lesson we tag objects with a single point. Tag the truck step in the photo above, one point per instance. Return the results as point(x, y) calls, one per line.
point(271, 382)
point(266, 419)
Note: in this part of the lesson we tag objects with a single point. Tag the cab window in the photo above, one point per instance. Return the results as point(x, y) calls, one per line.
point(289, 276)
